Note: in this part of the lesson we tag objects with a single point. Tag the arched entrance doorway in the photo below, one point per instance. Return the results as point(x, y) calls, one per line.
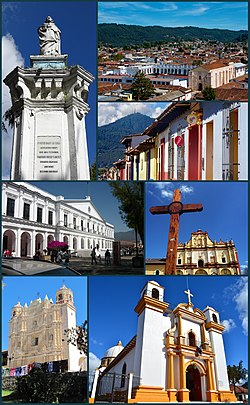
point(25, 244)
point(9, 241)
point(193, 383)
point(39, 242)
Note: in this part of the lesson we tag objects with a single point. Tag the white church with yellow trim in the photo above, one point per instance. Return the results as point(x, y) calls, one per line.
point(177, 356)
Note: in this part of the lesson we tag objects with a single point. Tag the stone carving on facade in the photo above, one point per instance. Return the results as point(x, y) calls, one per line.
point(49, 38)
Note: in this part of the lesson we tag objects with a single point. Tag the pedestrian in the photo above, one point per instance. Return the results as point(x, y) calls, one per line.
point(59, 257)
point(107, 257)
point(66, 257)
point(93, 256)
point(13, 253)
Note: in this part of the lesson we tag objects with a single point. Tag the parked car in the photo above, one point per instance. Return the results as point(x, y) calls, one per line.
point(30, 267)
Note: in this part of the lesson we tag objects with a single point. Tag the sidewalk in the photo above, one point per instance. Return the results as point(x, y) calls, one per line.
point(83, 265)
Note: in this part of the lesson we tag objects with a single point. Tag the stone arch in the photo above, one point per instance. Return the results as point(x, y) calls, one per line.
point(39, 242)
point(9, 240)
point(155, 293)
point(180, 272)
point(201, 272)
point(66, 239)
point(198, 364)
point(26, 244)
point(50, 238)
point(193, 382)
point(225, 272)
point(192, 341)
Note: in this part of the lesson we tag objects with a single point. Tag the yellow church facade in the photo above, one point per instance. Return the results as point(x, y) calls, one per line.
point(200, 256)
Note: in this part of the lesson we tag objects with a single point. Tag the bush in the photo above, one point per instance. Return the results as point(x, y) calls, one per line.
point(39, 386)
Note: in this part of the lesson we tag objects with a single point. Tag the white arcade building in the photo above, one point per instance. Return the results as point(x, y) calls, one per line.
point(176, 356)
point(31, 218)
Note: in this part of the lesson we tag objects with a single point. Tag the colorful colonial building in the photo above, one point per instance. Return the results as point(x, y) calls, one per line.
point(200, 140)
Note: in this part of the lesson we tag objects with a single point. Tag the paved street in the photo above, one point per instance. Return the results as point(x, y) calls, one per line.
point(83, 265)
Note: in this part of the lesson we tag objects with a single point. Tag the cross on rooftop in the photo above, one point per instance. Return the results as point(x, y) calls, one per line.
point(175, 209)
point(189, 295)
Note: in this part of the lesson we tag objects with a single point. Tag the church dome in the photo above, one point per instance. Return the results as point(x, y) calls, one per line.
point(114, 350)
point(110, 355)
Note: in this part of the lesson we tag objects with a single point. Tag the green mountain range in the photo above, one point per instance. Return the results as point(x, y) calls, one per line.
point(109, 147)
point(119, 35)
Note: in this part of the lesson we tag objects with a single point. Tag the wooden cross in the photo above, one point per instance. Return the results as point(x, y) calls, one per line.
point(189, 295)
point(175, 209)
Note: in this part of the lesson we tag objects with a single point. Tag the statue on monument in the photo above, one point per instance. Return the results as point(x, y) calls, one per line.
point(49, 38)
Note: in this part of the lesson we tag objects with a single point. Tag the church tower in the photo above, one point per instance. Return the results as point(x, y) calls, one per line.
point(148, 354)
point(49, 105)
point(65, 302)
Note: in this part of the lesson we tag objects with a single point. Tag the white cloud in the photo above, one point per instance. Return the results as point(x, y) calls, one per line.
point(111, 112)
point(167, 193)
point(229, 324)
point(241, 299)
point(186, 189)
point(11, 57)
point(196, 11)
point(95, 342)
point(94, 362)
point(238, 293)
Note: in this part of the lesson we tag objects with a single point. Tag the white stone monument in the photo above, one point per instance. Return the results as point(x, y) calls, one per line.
point(49, 105)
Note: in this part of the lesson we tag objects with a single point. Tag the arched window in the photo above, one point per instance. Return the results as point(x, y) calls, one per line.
point(215, 318)
point(124, 371)
point(191, 339)
point(157, 272)
point(200, 263)
point(155, 293)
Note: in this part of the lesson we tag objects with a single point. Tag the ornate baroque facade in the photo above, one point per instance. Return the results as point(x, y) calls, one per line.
point(36, 332)
point(201, 255)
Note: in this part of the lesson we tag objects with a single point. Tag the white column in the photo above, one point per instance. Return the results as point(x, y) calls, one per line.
point(94, 384)
point(18, 243)
point(130, 385)
point(20, 205)
point(32, 243)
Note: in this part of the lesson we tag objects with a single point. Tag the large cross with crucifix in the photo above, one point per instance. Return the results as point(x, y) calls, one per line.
point(175, 209)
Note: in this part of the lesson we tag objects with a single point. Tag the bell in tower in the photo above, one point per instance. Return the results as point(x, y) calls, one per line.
point(64, 295)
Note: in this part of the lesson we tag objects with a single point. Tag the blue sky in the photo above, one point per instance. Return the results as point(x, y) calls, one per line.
point(77, 22)
point(176, 14)
point(100, 193)
point(25, 289)
point(113, 299)
point(224, 214)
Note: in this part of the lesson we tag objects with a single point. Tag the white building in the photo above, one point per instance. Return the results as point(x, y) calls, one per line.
point(31, 218)
point(36, 333)
point(176, 356)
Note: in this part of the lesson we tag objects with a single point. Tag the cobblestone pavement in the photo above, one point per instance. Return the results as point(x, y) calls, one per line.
point(83, 265)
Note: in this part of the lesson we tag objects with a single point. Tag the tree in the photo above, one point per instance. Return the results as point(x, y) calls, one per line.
point(209, 93)
point(8, 118)
point(93, 171)
point(78, 337)
point(236, 373)
point(131, 197)
point(142, 87)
